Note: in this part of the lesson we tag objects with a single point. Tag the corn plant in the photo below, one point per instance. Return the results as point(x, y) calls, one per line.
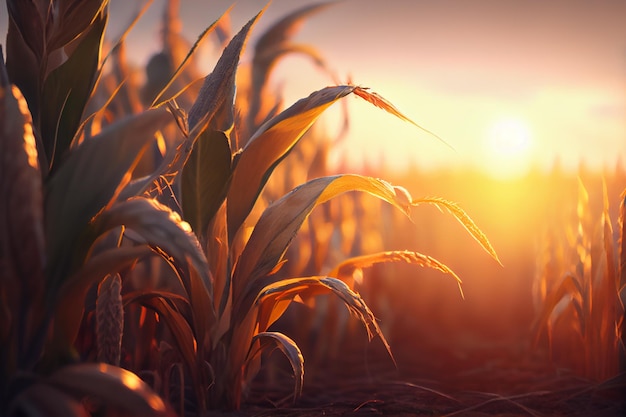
point(580, 290)
point(221, 333)
point(92, 227)
point(64, 218)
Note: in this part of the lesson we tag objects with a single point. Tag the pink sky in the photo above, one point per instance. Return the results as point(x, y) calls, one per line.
point(558, 68)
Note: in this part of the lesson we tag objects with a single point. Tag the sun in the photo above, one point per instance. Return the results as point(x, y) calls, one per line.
point(507, 148)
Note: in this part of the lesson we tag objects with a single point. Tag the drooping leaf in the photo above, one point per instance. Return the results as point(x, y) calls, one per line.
point(344, 271)
point(271, 301)
point(382, 103)
point(464, 219)
point(116, 387)
point(273, 141)
point(270, 47)
point(281, 221)
point(161, 228)
point(269, 145)
point(289, 348)
point(66, 90)
point(89, 180)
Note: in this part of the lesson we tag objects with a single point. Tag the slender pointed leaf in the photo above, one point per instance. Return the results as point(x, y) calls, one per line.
point(344, 271)
point(464, 219)
point(205, 179)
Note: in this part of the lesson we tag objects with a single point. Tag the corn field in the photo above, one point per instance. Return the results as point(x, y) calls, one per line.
point(175, 243)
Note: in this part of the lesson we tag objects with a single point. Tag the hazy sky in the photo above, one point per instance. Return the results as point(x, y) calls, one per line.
point(550, 75)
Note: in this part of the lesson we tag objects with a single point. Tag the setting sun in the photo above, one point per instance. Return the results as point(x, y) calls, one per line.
point(507, 147)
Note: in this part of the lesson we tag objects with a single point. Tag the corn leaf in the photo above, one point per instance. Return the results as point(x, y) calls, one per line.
point(69, 303)
point(271, 302)
point(382, 103)
point(162, 228)
point(41, 400)
point(88, 181)
point(185, 342)
point(281, 221)
point(23, 68)
point(289, 348)
point(116, 387)
point(268, 146)
point(345, 270)
point(464, 219)
point(22, 242)
point(225, 16)
point(215, 95)
point(66, 90)
point(29, 24)
point(271, 46)
point(70, 19)
point(568, 287)
point(205, 178)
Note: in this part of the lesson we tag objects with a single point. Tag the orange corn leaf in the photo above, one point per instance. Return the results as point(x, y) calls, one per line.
point(116, 387)
point(268, 146)
point(569, 286)
point(281, 221)
point(344, 271)
point(464, 219)
point(380, 102)
point(289, 348)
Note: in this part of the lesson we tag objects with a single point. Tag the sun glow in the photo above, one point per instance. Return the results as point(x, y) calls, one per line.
point(507, 148)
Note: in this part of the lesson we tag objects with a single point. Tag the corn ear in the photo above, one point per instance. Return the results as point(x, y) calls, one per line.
point(110, 320)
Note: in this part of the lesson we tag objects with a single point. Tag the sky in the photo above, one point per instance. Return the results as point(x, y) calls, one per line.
point(508, 84)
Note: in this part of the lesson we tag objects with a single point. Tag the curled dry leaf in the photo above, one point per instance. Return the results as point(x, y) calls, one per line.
point(119, 389)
